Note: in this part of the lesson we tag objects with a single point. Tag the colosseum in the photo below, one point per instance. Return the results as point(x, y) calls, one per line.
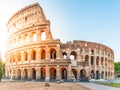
point(33, 54)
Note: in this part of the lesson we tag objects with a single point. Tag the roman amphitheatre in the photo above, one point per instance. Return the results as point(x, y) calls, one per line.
point(33, 54)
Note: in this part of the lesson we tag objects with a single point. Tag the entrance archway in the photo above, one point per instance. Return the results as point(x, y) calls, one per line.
point(25, 74)
point(97, 75)
point(63, 73)
point(42, 73)
point(82, 73)
point(19, 74)
point(33, 73)
point(52, 73)
point(92, 74)
point(74, 73)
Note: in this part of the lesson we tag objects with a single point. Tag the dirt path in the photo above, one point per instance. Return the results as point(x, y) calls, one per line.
point(40, 86)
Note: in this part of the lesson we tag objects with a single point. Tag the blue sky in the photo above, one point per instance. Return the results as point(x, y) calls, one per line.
point(89, 20)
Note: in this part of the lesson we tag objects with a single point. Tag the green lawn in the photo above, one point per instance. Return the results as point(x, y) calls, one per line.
point(111, 84)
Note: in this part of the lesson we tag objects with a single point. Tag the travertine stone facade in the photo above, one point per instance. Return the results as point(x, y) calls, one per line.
point(32, 53)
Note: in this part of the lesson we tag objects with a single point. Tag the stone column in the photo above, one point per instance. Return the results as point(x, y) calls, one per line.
point(47, 53)
point(58, 72)
point(69, 72)
point(38, 74)
point(47, 73)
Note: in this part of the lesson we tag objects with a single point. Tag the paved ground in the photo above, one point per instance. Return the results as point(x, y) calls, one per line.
point(93, 86)
point(40, 86)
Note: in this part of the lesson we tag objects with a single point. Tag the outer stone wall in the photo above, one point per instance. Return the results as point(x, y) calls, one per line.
point(32, 53)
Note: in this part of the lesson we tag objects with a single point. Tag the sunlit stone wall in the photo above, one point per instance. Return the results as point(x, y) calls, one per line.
point(32, 52)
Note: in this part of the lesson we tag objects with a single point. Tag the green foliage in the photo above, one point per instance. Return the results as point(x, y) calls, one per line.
point(1, 69)
point(117, 66)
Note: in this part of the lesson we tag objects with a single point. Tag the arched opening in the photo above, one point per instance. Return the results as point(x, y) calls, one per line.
point(92, 74)
point(43, 54)
point(63, 73)
point(108, 75)
point(64, 55)
point(52, 73)
point(97, 75)
point(33, 73)
point(43, 73)
point(19, 74)
point(92, 51)
point(34, 37)
point(53, 53)
point(26, 38)
point(73, 55)
point(102, 61)
point(102, 75)
point(74, 71)
point(33, 55)
point(43, 36)
point(14, 74)
point(25, 74)
point(97, 60)
point(19, 57)
point(87, 59)
point(25, 56)
point(82, 73)
point(92, 60)
point(13, 58)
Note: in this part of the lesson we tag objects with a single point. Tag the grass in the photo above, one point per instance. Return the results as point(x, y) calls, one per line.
point(111, 84)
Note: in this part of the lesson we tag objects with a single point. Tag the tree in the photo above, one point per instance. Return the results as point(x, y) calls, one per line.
point(1, 69)
point(117, 66)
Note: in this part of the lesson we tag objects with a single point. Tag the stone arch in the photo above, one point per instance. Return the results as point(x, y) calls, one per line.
point(97, 60)
point(34, 37)
point(64, 54)
point(102, 75)
point(63, 72)
point(19, 56)
point(74, 71)
point(33, 73)
point(82, 73)
point(26, 38)
point(33, 54)
point(18, 74)
point(43, 35)
point(42, 54)
point(25, 55)
point(106, 75)
point(73, 55)
point(97, 74)
point(92, 60)
point(53, 53)
point(43, 73)
point(52, 73)
point(25, 74)
point(92, 74)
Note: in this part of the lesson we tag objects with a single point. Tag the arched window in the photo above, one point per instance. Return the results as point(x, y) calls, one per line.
point(64, 55)
point(43, 36)
point(26, 38)
point(25, 56)
point(73, 55)
point(34, 37)
point(97, 60)
point(92, 60)
point(53, 53)
point(19, 57)
point(86, 58)
point(33, 55)
point(43, 55)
